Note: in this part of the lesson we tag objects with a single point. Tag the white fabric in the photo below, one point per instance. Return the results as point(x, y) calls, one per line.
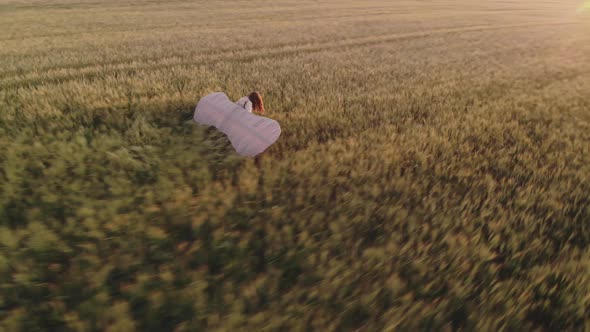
point(248, 133)
point(245, 103)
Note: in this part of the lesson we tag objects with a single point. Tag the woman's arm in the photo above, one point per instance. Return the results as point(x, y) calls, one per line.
point(245, 103)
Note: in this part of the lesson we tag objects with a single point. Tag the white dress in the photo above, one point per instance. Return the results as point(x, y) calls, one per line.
point(248, 133)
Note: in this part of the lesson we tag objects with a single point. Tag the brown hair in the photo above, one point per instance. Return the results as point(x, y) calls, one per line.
point(257, 103)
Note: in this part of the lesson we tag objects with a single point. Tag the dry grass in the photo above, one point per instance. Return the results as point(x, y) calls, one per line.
point(432, 172)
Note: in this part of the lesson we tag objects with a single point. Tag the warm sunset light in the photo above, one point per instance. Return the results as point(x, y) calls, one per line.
point(305, 165)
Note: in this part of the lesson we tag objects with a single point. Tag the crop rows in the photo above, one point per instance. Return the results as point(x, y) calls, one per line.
point(432, 171)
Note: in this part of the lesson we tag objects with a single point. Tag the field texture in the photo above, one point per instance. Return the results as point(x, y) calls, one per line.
point(433, 172)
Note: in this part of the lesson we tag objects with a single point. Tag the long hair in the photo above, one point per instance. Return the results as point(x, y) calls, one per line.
point(257, 103)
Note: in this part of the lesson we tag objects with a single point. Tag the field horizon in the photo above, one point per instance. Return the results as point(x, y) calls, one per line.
point(432, 172)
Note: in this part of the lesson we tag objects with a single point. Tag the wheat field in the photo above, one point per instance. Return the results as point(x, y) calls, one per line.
point(433, 171)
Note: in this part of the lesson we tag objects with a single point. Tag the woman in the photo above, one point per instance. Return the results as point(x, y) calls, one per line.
point(248, 133)
point(252, 102)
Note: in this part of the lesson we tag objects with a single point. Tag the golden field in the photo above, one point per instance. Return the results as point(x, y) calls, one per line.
point(433, 172)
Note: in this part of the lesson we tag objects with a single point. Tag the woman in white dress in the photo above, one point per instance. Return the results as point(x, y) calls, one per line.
point(248, 133)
